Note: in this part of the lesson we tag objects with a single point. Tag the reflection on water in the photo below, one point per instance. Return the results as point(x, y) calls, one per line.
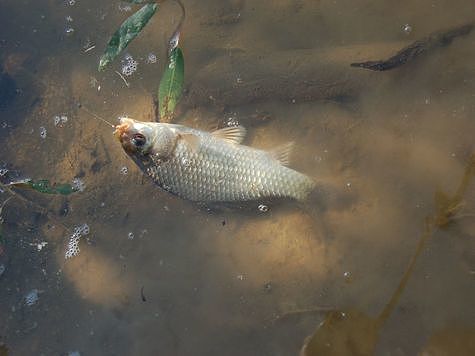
point(157, 275)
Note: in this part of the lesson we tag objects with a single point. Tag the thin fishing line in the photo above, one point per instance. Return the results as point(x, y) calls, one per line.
point(96, 116)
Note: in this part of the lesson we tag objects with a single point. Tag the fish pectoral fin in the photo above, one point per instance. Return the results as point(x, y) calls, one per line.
point(233, 134)
point(282, 153)
point(191, 140)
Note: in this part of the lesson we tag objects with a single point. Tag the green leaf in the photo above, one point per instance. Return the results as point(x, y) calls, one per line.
point(44, 186)
point(171, 85)
point(129, 29)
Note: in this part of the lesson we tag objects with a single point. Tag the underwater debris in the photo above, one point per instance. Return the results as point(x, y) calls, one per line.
point(417, 48)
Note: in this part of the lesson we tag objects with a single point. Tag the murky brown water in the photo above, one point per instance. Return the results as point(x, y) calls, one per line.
point(193, 282)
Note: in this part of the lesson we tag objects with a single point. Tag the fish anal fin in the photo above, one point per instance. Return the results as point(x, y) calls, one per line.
point(282, 153)
point(232, 134)
point(191, 140)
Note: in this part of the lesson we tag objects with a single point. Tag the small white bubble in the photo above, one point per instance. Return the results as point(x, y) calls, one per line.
point(407, 29)
point(124, 170)
point(125, 8)
point(263, 208)
point(71, 2)
point(185, 161)
point(232, 121)
point(69, 19)
point(60, 120)
point(43, 132)
point(41, 245)
point(69, 30)
point(130, 235)
point(240, 277)
point(151, 58)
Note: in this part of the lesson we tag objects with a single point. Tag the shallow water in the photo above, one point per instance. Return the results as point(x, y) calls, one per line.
point(197, 282)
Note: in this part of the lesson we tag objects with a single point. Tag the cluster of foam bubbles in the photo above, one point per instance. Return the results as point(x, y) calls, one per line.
point(129, 65)
point(73, 244)
point(60, 120)
point(31, 297)
point(151, 58)
point(78, 185)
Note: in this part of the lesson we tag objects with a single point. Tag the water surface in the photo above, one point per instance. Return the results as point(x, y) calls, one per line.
point(195, 282)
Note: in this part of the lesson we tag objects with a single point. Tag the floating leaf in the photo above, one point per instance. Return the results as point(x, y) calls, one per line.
point(129, 29)
point(171, 84)
point(44, 186)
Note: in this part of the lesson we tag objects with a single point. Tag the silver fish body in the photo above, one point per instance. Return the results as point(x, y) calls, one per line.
point(212, 167)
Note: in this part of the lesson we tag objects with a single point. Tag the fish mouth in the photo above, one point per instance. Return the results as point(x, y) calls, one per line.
point(121, 131)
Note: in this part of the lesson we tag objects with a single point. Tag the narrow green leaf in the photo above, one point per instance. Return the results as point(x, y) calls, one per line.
point(129, 29)
point(44, 186)
point(171, 85)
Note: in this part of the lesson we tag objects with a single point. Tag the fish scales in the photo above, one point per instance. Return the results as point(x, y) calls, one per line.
point(219, 171)
point(215, 170)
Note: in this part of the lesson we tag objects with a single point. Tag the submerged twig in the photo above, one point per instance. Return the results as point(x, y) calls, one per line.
point(416, 49)
point(306, 311)
point(122, 77)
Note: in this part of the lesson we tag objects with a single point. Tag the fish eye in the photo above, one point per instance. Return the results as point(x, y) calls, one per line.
point(138, 140)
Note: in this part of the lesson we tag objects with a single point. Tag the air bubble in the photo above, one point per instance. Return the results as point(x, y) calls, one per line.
point(263, 208)
point(407, 29)
point(151, 58)
point(43, 132)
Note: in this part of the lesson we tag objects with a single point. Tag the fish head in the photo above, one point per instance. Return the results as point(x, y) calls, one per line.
point(134, 136)
point(140, 139)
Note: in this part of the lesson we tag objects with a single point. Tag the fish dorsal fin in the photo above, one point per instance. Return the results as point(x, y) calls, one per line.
point(191, 140)
point(233, 134)
point(282, 153)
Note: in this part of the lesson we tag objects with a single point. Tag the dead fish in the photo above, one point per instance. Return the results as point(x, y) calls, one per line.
point(211, 166)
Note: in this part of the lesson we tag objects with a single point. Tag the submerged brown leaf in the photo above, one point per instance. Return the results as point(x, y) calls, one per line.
point(343, 333)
